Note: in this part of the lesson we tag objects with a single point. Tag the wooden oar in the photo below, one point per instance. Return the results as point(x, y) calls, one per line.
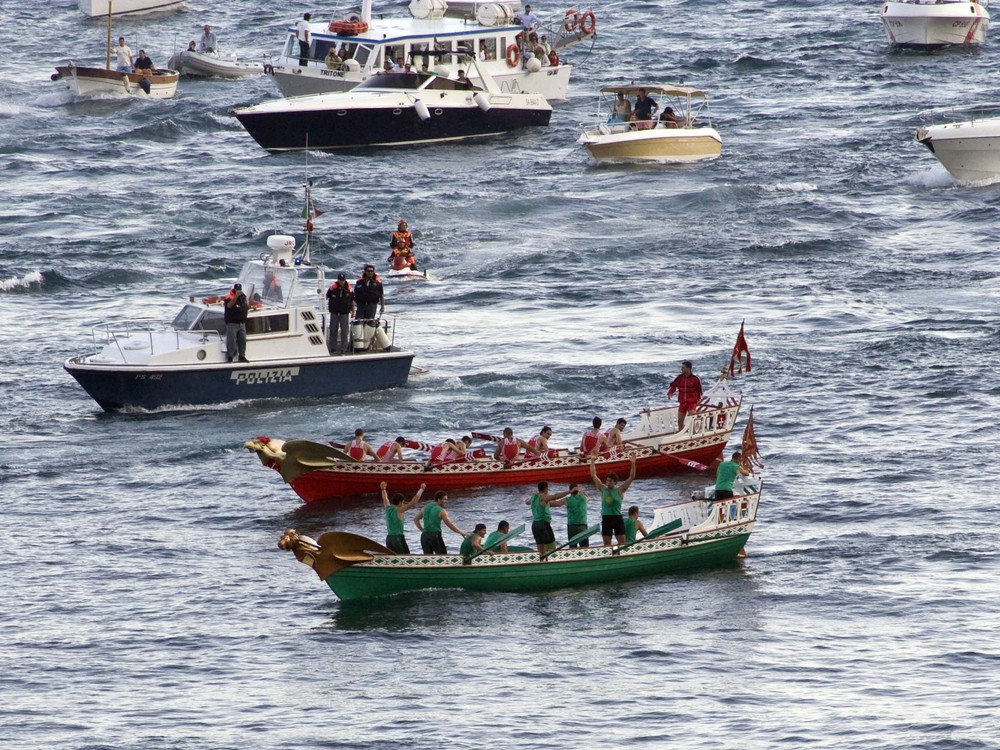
point(686, 461)
point(506, 537)
point(658, 531)
point(585, 534)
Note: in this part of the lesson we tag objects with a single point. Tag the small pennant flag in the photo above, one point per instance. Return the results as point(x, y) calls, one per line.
point(751, 453)
point(739, 350)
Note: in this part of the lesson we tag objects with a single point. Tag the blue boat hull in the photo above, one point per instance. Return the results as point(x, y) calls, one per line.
point(156, 387)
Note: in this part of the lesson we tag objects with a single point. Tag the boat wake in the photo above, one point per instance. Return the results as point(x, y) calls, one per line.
point(938, 177)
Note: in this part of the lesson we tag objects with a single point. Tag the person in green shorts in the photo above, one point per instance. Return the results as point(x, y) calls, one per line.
point(503, 528)
point(633, 525)
point(395, 509)
point(612, 495)
point(576, 515)
point(472, 544)
point(541, 516)
point(726, 475)
point(429, 522)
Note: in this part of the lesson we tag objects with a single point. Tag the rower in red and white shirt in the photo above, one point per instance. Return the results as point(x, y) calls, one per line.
point(450, 450)
point(509, 448)
point(538, 446)
point(590, 443)
point(391, 450)
point(612, 440)
point(358, 448)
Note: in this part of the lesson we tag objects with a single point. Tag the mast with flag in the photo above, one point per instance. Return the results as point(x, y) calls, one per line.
point(750, 458)
point(309, 212)
point(737, 365)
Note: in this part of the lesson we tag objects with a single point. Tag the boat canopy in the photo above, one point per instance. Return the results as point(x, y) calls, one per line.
point(653, 88)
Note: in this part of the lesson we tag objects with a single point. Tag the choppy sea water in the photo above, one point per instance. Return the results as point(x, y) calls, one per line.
point(144, 602)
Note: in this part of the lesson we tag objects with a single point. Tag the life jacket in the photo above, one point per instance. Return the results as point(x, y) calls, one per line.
point(401, 242)
point(385, 450)
point(510, 449)
point(356, 450)
point(591, 439)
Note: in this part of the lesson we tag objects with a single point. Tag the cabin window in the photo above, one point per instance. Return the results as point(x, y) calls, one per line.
point(212, 320)
point(395, 53)
point(267, 324)
point(360, 52)
point(185, 318)
point(488, 49)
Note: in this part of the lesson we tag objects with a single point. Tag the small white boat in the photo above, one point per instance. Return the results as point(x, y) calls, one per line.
point(192, 63)
point(969, 150)
point(935, 23)
point(84, 81)
point(101, 8)
point(662, 140)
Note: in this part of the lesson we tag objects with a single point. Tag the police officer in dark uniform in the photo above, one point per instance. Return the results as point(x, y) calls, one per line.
point(368, 294)
point(237, 309)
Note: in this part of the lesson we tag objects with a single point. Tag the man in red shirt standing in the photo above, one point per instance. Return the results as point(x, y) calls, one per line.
point(688, 388)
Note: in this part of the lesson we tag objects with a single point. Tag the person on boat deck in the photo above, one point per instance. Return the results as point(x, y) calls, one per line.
point(612, 442)
point(304, 35)
point(340, 302)
point(576, 515)
point(192, 46)
point(726, 474)
point(401, 243)
point(643, 111)
point(368, 294)
point(391, 450)
point(539, 445)
point(143, 64)
point(272, 288)
point(429, 522)
point(612, 495)
point(528, 19)
point(670, 119)
point(541, 516)
point(236, 310)
point(590, 443)
point(688, 388)
point(124, 56)
point(472, 544)
point(632, 525)
point(207, 44)
point(395, 510)
point(358, 448)
point(503, 528)
point(333, 60)
point(623, 109)
point(462, 78)
point(509, 448)
point(543, 42)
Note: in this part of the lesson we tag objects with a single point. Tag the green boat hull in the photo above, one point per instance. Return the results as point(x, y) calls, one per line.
point(522, 572)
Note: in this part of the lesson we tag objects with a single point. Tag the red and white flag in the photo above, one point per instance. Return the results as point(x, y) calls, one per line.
point(751, 453)
point(739, 351)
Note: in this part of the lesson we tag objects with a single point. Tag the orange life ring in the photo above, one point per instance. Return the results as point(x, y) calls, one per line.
point(570, 20)
point(211, 300)
point(348, 28)
point(553, 59)
point(588, 23)
point(513, 56)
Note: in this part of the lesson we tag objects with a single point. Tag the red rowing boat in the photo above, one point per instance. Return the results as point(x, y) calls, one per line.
point(318, 471)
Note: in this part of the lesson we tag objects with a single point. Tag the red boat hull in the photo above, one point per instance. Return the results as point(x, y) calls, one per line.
point(363, 478)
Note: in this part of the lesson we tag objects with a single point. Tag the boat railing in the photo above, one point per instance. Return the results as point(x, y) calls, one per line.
point(963, 113)
point(124, 333)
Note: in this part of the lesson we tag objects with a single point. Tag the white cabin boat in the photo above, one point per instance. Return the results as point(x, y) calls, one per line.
point(686, 136)
point(99, 8)
point(365, 45)
point(968, 149)
point(935, 23)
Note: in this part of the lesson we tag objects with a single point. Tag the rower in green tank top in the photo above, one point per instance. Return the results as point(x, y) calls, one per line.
point(429, 522)
point(472, 544)
point(612, 495)
point(541, 516)
point(395, 509)
point(633, 525)
point(576, 515)
point(503, 528)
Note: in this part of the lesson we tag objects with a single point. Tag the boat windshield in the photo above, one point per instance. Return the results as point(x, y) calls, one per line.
point(186, 318)
point(268, 285)
point(408, 81)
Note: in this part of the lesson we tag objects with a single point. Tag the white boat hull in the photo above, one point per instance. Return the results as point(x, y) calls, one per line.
point(99, 8)
point(211, 66)
point(616, 144)
point(83, 81)
point(910, 24)
point(970, 151)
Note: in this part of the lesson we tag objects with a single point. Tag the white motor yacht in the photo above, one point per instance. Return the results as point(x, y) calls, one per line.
point(935, 23)
point(969, 149)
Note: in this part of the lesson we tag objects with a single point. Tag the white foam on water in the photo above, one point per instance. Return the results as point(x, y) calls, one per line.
point(34, 278)
point(791, 187)
point(934, 177)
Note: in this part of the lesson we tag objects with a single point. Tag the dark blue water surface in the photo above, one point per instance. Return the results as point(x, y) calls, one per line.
point(144, 602)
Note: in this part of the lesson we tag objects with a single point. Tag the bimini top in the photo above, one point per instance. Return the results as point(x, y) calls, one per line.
point(653, 88)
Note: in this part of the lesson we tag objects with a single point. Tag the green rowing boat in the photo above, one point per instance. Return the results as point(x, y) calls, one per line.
point(694, 534)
